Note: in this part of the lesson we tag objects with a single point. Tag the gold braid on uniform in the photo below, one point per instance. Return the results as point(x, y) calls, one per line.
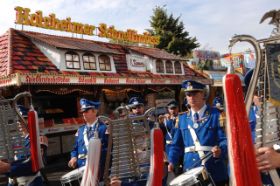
point(222, 119)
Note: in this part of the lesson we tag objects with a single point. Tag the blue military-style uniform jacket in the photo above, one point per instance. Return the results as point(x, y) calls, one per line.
point(169, 134)
point(252, 122)
point(80, 150)
point(209, 133)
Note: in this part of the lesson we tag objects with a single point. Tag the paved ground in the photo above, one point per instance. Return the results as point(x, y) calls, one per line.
point(56, 167)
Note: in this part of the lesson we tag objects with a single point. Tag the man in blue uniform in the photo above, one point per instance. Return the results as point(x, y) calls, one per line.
point(199, 131)
point(167, 125)
point(218, 102)
point(85, 132)
point(20, 171)
point(136, 106)
point(254, 108)
point(169, 122)
point(268, 158)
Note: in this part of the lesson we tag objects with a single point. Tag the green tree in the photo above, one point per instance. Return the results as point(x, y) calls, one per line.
point(173, 37)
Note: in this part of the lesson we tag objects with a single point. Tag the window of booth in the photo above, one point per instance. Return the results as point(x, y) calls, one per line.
point(178, 68)
point(159, 66)
point(56, 107)
point(72, 60)
point(104, 63)
point(89, 61)
point(169, 67)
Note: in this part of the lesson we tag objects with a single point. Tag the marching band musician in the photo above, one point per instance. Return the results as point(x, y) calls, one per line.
point(89, 110)
point(268, 158)
point(20, 171)
point(199, 131)
point(169, 121)
point(136, 106)
point(167, 125)
point(254, 108)
point(218, 102)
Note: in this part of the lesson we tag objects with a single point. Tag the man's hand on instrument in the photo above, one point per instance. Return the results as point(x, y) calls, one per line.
point(167, 116)
point(115, 181)
point(267, 158)
point(216, 151)
point(72, 163)
point(170, 167)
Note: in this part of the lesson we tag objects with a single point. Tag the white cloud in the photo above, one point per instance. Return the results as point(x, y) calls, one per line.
point(213, 23)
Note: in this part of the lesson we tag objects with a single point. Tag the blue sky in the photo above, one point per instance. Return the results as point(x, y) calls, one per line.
point(212, 22)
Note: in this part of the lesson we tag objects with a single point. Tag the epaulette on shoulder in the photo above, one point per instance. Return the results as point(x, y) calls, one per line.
point(222, 119)
point(81, 127)
point(177, 122)
point(180, 113)
point(177, 118)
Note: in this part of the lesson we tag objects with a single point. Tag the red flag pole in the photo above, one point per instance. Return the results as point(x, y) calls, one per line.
point(36, 157)
point(157, 164)
point(243, 167)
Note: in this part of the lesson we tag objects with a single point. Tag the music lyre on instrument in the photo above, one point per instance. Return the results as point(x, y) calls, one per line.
point(266, 80)
point(11, 138)
point(128, 154)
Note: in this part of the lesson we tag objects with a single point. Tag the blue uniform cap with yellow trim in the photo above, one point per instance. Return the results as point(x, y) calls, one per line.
point(172, 104)
point(87, 104)
point(23, 110)
point(135, 101)
point(218, 102)
point(190, 85)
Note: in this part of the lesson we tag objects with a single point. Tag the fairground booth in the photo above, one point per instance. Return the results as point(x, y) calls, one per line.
point(58, 71)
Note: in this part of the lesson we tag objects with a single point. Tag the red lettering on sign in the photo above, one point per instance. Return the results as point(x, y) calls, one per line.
point(111, 81)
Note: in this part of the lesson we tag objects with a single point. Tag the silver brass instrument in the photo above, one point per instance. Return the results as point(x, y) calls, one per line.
point(128, 154)
point(265, 79)
point(11, 138)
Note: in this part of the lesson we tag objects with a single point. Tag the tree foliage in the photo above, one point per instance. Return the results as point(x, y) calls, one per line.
point(173, 37)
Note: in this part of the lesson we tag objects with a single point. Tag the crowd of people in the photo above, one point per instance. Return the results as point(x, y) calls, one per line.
point(190, 135)
point(192, 138)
